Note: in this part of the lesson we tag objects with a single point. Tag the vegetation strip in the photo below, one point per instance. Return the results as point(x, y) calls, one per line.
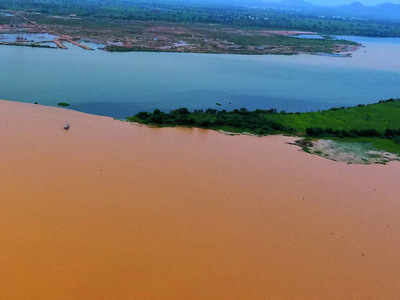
point(105, 13)
point(377, 124)
point(64, 104)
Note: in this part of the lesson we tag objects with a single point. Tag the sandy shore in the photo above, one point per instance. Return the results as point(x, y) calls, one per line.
point(112, 210)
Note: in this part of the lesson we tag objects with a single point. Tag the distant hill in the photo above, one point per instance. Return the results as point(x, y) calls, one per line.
point(386, 11)
point(357, 10)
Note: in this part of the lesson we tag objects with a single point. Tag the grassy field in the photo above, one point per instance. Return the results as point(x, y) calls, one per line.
point(379, 116)
point(376, 125)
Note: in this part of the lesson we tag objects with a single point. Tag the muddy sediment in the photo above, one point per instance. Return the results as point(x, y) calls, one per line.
point(111, 210)
point(348, 152)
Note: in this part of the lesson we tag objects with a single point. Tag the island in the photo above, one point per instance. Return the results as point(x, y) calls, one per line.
point(373, 130)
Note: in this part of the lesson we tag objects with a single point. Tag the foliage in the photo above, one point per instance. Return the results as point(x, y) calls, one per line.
point(377, 123)
point(380, 116)
point(190, 13)
point(64, 104)
point(237, 120)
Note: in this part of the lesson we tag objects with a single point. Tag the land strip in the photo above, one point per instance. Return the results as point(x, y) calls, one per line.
point(376, 125)
point(120, 35)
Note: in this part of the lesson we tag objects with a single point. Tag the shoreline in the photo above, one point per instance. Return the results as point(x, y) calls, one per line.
point(343, 48)
point(345, 148)
point(358, 125)
point(341, 51)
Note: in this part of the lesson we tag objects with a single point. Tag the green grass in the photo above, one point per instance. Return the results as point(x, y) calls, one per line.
point(63, 104)
point(379, 116)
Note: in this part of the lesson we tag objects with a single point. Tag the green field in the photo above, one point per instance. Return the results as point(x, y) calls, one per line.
point(377, 125)
point(379, 116)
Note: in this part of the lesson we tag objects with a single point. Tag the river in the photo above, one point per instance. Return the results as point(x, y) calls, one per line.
point(121, 84)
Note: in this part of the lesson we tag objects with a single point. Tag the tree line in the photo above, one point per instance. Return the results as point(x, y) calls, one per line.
point(176, 11)
point(259, 122)
point(238, 120)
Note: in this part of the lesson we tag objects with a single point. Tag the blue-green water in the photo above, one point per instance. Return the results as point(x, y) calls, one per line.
point(30, 37)
point(121, 84)
point(6, 14)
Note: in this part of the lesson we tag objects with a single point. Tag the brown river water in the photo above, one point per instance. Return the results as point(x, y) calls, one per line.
point(112, 210)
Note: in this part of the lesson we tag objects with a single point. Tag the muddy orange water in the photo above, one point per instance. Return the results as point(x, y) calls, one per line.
point(112, 210)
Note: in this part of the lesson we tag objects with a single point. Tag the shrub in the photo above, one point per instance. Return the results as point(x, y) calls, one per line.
point(64, 104)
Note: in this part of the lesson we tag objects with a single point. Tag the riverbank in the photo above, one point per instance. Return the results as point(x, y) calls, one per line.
point(112, 210)
point(375, 125)
point(157, 36)
point(278, 44)
point(374, 73)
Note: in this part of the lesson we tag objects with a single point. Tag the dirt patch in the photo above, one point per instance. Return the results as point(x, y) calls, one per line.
point(132, 35)
point(351, 153)
point(286, 32)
